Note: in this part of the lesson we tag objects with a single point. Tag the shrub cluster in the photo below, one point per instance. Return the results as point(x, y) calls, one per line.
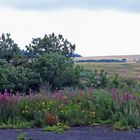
point(46, 61)
point(102, 80)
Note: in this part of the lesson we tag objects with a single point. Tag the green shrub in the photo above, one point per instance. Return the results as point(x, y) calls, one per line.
point(18, 79)
point(103, 105)
point(32, 108)
point(126, 111)
point(57, 70)
point(21, 137)
point(95, 79)
point(77, 115)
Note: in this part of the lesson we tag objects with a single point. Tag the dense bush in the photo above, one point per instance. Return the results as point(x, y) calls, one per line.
point(57, 70)
point(18, 79)
point(47, 61)
point(102, 80)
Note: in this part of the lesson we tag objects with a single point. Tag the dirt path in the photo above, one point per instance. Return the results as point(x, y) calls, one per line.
point(76, 133)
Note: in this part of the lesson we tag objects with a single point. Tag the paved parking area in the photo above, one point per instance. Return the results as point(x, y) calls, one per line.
point(75, 133)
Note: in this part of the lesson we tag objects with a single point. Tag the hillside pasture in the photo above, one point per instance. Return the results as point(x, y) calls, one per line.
point(123, 69)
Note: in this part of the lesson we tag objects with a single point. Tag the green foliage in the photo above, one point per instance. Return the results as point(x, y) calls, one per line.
point(27, 79)
point(21, 124)
point(126, 112)
point(102, 80)
point(21, 137)
point(77, 108)
point(46, 61)
point(18, 79)
point(115, 82)
point(8, 109)
point(95, 79)
point(120, 126)
point(76, 114)
point(33, 108)
point(57, 70)
point(50, 44)
point(59, 129)
point(103, 105)
point(9, 50)
point(38, 118)
point(99, 79)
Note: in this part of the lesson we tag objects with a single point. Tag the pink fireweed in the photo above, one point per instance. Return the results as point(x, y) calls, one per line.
point(90, 91)
point(121, 98)
point(128, 97)
point(59, 95)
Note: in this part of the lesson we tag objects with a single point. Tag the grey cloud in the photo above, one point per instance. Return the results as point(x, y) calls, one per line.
point(130, 5)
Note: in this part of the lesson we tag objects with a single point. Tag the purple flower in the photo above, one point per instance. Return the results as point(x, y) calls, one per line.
point(128, 96)
point(91, 90)
point(115, 91)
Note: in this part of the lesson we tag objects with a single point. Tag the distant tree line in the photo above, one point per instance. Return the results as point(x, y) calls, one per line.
point(101, 60)
point(76, 55)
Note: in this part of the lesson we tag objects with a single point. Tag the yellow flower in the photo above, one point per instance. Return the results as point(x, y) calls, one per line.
point(52, 101)
point(93, 113)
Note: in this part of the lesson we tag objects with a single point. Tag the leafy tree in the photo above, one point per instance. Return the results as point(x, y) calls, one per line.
point(50, 44)
point(9, 50)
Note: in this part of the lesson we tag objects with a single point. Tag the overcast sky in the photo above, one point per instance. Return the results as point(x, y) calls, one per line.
point(97, 27)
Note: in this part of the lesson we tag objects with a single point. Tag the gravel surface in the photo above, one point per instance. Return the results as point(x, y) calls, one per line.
point(75, 133)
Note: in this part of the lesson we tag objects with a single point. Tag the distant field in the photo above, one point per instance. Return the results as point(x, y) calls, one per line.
point(129, 58)
point(123, 69)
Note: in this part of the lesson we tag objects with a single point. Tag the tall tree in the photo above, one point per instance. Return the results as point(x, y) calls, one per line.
point(50, 44)
point(9, 50)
